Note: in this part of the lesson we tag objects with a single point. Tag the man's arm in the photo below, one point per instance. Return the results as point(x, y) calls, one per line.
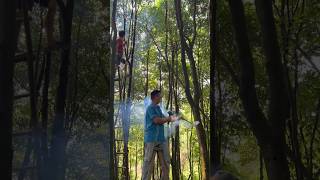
point(159, 120)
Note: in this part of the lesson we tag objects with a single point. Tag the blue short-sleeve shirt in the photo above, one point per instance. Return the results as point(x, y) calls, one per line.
point(153, 132)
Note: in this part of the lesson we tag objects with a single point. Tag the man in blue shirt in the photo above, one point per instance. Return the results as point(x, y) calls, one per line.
point(154, 139)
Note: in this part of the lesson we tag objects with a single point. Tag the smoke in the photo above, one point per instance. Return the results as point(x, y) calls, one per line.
point(170, 130)
point(137, 112)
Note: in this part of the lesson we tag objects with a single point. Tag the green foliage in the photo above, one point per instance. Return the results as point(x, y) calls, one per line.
point(87, 101)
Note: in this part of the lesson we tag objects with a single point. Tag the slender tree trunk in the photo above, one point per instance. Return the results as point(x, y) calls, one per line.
point(7, 48)
point(174, 165)
point(136, 163)
point(193, 101)
point(26, 159)
point(111, 150)
point(33, 141)
point(160, 72)
point(44, 115)
point(176, 145)
point(34, 124)
point(286, 26)
point(126, 119)
point(279, 100)
point(219, 110)
point(191, 157)
point(59, 138)
point(31, 144)
point(214, 143)
point(270, 137)
point(261, 165)
point(147, 76)
point(312, 141)
point(189, 145)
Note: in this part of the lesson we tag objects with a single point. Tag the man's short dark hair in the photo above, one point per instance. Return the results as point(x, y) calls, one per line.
point(224, 175)
point(121, 33)
point(154, 93)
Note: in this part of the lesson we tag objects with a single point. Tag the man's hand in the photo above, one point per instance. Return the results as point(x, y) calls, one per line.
point(173, 118)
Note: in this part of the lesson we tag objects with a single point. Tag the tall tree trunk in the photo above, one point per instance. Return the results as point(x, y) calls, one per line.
point(190, 156)
point(270, 136)
point(176, 143)
point(146, 89)
point(7, 48)
point(312, 141)
point(59, 138)
point(193, 101)
point(160, 72)
point(279, 99)
point(126, 120)
point(174, 163)
point(34, 140)
point(260, 165)
point(44, 116)
point(214, 143)
point(136, 163)
point(31, 145)
point(111, 160)
point(170, 85)
point(26, 159)
point(34, 124)
point(286, 26)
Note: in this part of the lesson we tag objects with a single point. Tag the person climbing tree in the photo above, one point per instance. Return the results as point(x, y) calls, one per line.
point(154, 139)
point(120, 48)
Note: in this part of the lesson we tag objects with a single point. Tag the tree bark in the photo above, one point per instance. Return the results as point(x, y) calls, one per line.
point(286, 29)
point(193, 101)
point(44, 116)
point(279, 99)
point(269, 133)
point(34, 124)
point(126, 120)
point(7, 48)
point(111, 161)
point(214, 143)
point(146, 89)
point(59, 138)
point(261, 165)
point(176, 144)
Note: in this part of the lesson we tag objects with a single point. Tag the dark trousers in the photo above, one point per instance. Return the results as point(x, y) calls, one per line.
point(120, 59)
